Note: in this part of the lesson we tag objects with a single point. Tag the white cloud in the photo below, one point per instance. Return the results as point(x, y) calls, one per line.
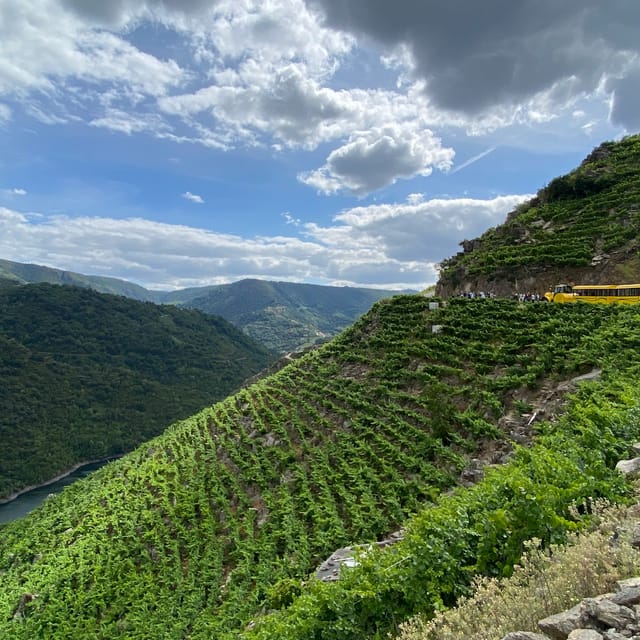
point(5, 114)
point(420, 232)
point(16, 191)
point(289, 219)
point(43, 47)
point(377, 158)
point(187, 195)
point(277, 74)
point(124, 122)
point(393, 246)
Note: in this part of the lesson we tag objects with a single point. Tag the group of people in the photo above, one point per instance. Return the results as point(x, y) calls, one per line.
point(521, 297)
point(480, 294)
point(527, 297)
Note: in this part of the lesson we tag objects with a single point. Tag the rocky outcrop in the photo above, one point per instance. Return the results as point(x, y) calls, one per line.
point(611, 616)
point(329, 570)
point(581, 228)
point(536, 278)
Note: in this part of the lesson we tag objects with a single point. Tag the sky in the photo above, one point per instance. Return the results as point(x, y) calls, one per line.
point(179, 143)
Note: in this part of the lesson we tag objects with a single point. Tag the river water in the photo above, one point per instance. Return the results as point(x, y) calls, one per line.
point(28, 501)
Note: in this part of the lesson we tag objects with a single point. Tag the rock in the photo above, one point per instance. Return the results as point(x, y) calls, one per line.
point(609, 616)
point(584, 634)
point(560, 625)
point(627, 595)
point(614, 615)
point(629, 467)
point(629, 583)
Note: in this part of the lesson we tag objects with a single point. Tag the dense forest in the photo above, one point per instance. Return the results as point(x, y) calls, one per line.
point(215, 528)
point(85, 375)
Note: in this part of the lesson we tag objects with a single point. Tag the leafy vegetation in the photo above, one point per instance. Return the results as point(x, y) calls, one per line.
point(546, 581)
point(214, 529)
point(85, 376)
point(573, 224)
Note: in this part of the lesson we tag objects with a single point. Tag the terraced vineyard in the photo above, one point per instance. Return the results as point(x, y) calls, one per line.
point(574, 223)
point(220, 522)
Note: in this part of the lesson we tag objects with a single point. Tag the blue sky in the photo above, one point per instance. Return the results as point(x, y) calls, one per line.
point(181, 143)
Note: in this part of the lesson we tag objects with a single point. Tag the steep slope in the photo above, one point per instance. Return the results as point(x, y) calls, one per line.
point(581, 228)
point(85, 375)
point(287, 316)
point(202, 531)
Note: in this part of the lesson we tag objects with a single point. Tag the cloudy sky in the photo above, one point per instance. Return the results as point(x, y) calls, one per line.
point(180, 143)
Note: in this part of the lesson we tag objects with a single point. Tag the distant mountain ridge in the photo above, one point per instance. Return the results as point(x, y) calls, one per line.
point(32, 273)
point(284, 316)
point(287, 316)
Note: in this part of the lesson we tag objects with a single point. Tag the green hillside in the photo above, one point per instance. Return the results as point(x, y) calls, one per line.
point(284, 316)
point(287, 316)
point(22, 273)
point(85, 375)
point(583, 227)
point(215, 528)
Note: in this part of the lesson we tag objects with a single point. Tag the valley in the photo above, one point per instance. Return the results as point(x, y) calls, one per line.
point(226, 514)
point(465, 429)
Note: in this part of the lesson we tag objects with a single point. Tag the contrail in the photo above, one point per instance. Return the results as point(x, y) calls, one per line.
point(464, 165)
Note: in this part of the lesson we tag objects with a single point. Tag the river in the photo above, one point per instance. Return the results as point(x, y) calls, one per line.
point(29, 500)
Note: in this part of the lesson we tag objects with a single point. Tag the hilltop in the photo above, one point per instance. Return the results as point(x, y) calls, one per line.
point(85, 375)
point(286, 316)
point(283, 316)
point(20, 273)
point(583, 227)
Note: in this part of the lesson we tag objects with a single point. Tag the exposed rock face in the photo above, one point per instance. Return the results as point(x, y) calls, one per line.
point(618, 267)
point(612, 616)
point(329, 570)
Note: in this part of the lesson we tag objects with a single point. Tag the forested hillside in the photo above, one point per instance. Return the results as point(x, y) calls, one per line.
point(85, 375)
point(283, 316)
point(21, 273)
point(287, 316)
point(583, 227)
point(215, 528)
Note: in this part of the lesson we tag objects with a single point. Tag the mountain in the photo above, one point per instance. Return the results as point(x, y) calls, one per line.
point(85, 375)
point(32, 273)
point(284, 316)
point(215, 529)
point(582, 228)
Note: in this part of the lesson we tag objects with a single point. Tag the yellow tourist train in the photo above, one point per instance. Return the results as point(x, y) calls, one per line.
point(599, 293)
